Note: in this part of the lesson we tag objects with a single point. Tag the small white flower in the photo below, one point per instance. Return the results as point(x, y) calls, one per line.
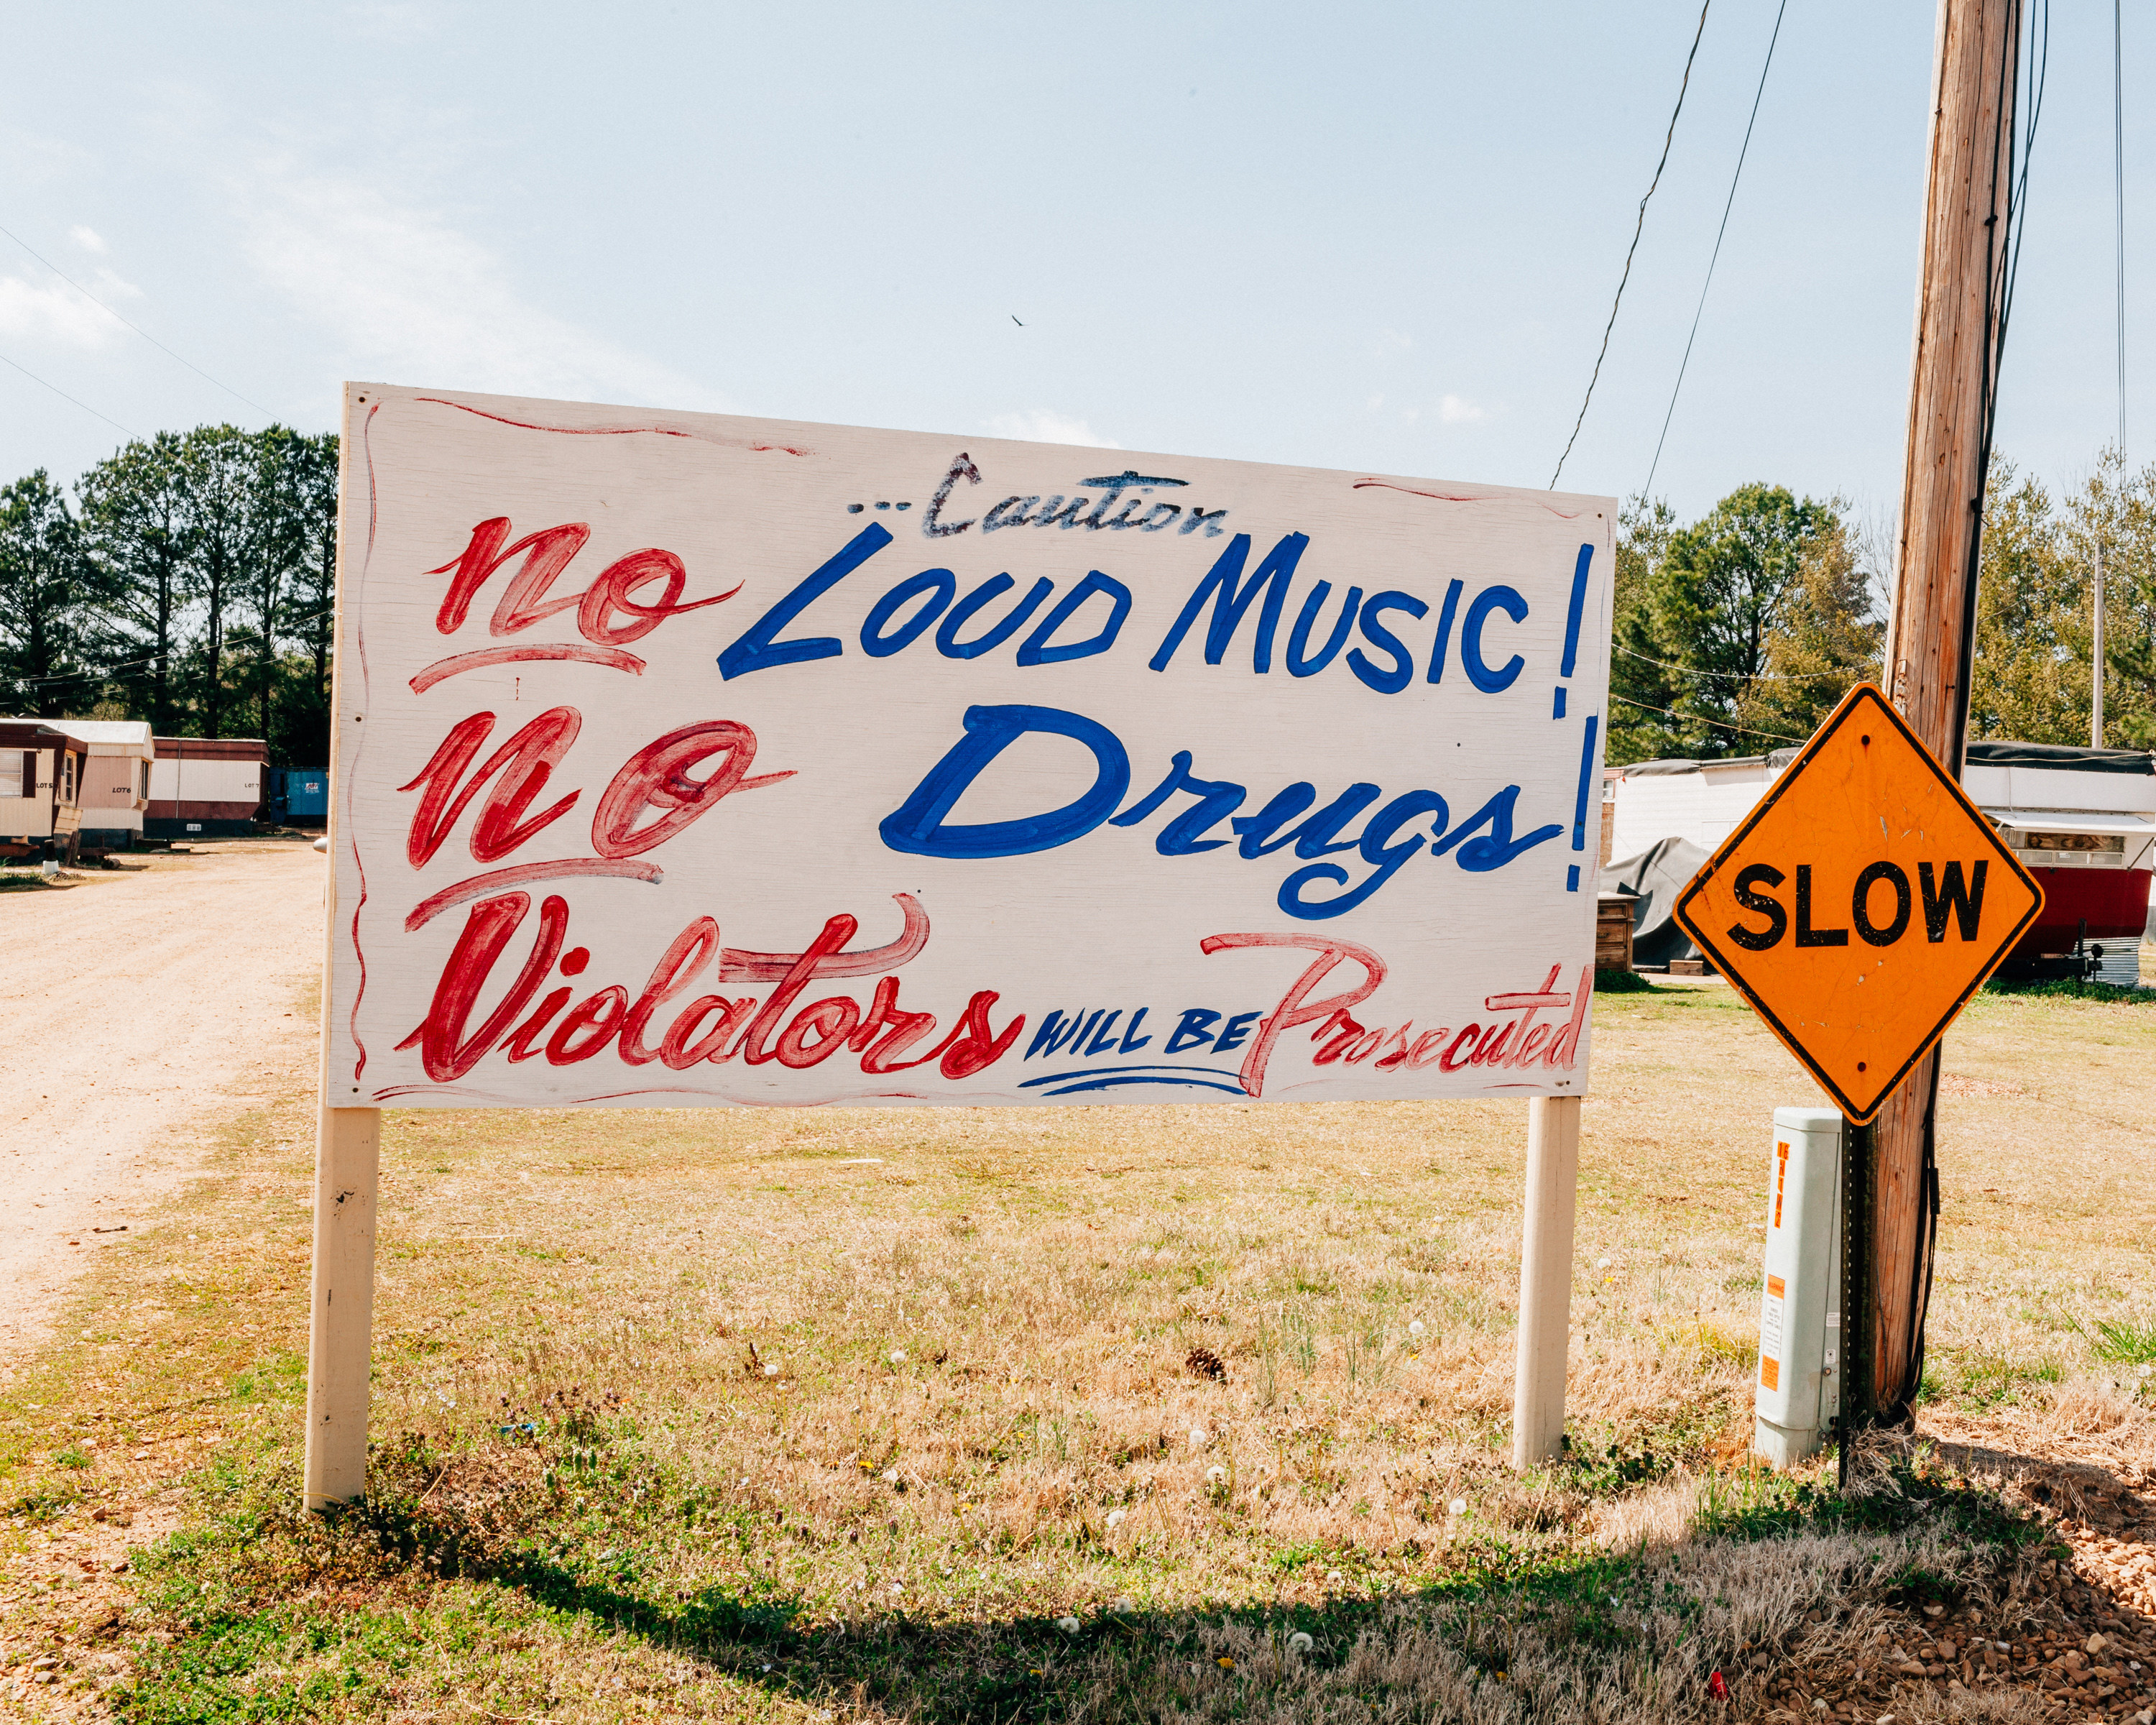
point(891, 1476)
point(1197, 1437)
point(1216, 1474)
point(898, 1356)
point(771, 1371)
point(1115, 1518)
point(1415, 1329)
point(1458, 1505)
point(1300, 1643)
point(1068, 1626)
point(1601, 1263)
point(898, 1587)
point(1331, 1575)
point(1124, 1607)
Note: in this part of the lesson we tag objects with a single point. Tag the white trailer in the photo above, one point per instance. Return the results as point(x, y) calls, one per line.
point(116, 780)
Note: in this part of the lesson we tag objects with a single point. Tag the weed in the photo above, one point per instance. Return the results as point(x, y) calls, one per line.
point(2121, 1342)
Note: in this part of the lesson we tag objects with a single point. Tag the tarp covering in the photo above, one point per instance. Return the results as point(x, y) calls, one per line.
point(1657, 875)
point(2059, 757)
point(1675, 764)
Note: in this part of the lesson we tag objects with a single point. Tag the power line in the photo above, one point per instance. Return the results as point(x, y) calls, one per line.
point(138, 328)
point(1712, 724)
point(1739, 676)
point(87, 675)
point(64, 396)
point(1700, 310)
point(1639, 228)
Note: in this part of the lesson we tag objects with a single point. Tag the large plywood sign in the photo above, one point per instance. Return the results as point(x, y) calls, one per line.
point(688, 759)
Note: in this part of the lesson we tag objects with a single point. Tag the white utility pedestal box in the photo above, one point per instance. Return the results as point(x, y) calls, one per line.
point(1797, 1394)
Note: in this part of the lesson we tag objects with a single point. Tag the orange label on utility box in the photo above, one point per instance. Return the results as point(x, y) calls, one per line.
point(1861, 903)
point(1770, 1371)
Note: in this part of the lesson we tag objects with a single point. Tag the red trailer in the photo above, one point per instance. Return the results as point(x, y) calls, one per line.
point(2083, 822)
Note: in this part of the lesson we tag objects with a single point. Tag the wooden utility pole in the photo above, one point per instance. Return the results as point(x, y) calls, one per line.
point(1931, 632)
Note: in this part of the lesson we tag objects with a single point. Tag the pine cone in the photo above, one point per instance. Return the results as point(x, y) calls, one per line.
point(1206, 1363)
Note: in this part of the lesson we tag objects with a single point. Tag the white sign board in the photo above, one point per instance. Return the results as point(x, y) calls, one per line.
point(689, 759)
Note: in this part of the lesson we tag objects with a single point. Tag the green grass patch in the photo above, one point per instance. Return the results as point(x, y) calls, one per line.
point(2066, 988)
point(1981, 1380)
point(2121, 1342)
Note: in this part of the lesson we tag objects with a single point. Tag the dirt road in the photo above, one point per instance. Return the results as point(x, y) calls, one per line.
point(139, 1009)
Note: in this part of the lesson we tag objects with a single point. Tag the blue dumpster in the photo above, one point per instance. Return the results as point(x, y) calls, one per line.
point(306, 794)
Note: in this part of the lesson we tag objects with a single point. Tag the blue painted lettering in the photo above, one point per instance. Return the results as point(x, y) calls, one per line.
point(1386, 682)
point(916, 827)
point(1490, 598)
point(758, 649)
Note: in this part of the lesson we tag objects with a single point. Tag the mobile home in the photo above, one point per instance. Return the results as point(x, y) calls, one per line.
point(206, 786)
point(41, 772)
point(115, 782)
point(2081, 820)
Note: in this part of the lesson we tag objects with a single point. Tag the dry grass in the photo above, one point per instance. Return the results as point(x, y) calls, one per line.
point(981, 1417)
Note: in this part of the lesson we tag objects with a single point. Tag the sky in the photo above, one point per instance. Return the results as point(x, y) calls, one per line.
point(1383, 237)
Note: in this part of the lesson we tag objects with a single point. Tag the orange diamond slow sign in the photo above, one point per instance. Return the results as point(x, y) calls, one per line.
point(1861, 904)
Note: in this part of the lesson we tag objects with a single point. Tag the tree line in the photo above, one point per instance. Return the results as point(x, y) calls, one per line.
point(189, 580)
point(1737, 634)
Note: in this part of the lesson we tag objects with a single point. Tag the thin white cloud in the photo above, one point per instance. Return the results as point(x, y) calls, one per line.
point(404, 295)
point(1044, 425)
point(90, 240)
point(1457, 410)
point(54, 311)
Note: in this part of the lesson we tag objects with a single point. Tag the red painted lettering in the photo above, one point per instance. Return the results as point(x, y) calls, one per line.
point(548, 552)
point(611, 592)
point(831, 1021)
point(657, 777)
point(981, 1047)
point(679, 1052)
point(444, 1050)
point(590, 1025)
point(1293, 1009)
point(836, 933)
point(522, 1046)
point(677, 967)
point(1453, 1060)
point(524, 764)
point(529, 599)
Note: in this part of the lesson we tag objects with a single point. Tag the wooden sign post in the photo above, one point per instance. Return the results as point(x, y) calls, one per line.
point(691, 761)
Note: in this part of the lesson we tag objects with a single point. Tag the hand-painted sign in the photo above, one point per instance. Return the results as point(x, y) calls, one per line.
point(689, 759)
point(1861, 904)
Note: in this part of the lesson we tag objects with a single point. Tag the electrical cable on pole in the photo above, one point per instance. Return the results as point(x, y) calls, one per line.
point(1728, 204)
point(1974, 219)
point(138, 328)
point(1639, 228)
point(65, 397)
point(2119, 209)
point(2118, 203)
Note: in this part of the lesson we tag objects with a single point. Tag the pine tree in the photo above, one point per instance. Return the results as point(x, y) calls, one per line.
point(42, 618)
